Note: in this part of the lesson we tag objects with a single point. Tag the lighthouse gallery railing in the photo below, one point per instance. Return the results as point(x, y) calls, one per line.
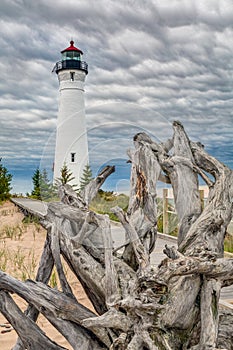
point(69, 64)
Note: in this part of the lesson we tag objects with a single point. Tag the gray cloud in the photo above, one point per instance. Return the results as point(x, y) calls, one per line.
point(150, 62)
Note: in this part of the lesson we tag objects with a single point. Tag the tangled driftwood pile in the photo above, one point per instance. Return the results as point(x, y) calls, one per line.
point(173, 306)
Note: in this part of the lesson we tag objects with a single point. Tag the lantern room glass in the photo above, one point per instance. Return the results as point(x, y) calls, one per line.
point(71, 55)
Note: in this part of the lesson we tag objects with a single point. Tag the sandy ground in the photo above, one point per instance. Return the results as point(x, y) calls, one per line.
point(19, 256)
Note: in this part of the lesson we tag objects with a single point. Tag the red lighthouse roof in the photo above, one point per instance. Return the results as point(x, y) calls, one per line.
point(72, 48)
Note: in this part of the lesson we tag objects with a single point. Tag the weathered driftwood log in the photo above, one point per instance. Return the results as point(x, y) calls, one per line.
point(138, 306)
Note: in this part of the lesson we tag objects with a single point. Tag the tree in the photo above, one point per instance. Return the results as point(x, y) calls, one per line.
point(47, 189)
point(36, 184)
point(5, 182)
point(42, 187)
point(66, 176)
point(138, 306)
point(86, 176)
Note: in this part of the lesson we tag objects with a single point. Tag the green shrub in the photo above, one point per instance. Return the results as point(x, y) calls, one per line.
point(105, 200)
point(228, 243)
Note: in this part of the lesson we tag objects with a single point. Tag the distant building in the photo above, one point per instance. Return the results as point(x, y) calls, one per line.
point(71, 139)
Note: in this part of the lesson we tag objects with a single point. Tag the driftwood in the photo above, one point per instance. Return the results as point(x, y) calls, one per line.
point(138, 306)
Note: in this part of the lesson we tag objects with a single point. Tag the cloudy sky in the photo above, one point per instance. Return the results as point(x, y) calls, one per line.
point(150, 62)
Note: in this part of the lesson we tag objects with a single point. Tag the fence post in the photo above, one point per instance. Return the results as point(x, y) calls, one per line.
point(202, 194)
point(165, 210)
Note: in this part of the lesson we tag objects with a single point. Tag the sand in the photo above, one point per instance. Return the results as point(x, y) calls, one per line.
point(19, 257)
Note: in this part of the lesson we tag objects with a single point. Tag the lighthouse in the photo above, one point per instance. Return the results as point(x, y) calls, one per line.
point(71, 137)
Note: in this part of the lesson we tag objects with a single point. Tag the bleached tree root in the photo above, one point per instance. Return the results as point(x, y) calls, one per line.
point(174, 306)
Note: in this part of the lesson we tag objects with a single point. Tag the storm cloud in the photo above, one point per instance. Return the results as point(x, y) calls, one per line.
point(150, 62)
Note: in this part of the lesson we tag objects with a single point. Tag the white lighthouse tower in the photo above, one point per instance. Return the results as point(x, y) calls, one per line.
point(71, 140)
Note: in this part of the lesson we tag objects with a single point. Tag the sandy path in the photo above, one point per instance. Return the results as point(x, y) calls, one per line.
point(19, 256)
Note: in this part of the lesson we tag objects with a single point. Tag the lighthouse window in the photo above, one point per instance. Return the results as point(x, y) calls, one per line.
point(69, 55)
point(72, 76)
point(72, 157)
point(76, 56)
